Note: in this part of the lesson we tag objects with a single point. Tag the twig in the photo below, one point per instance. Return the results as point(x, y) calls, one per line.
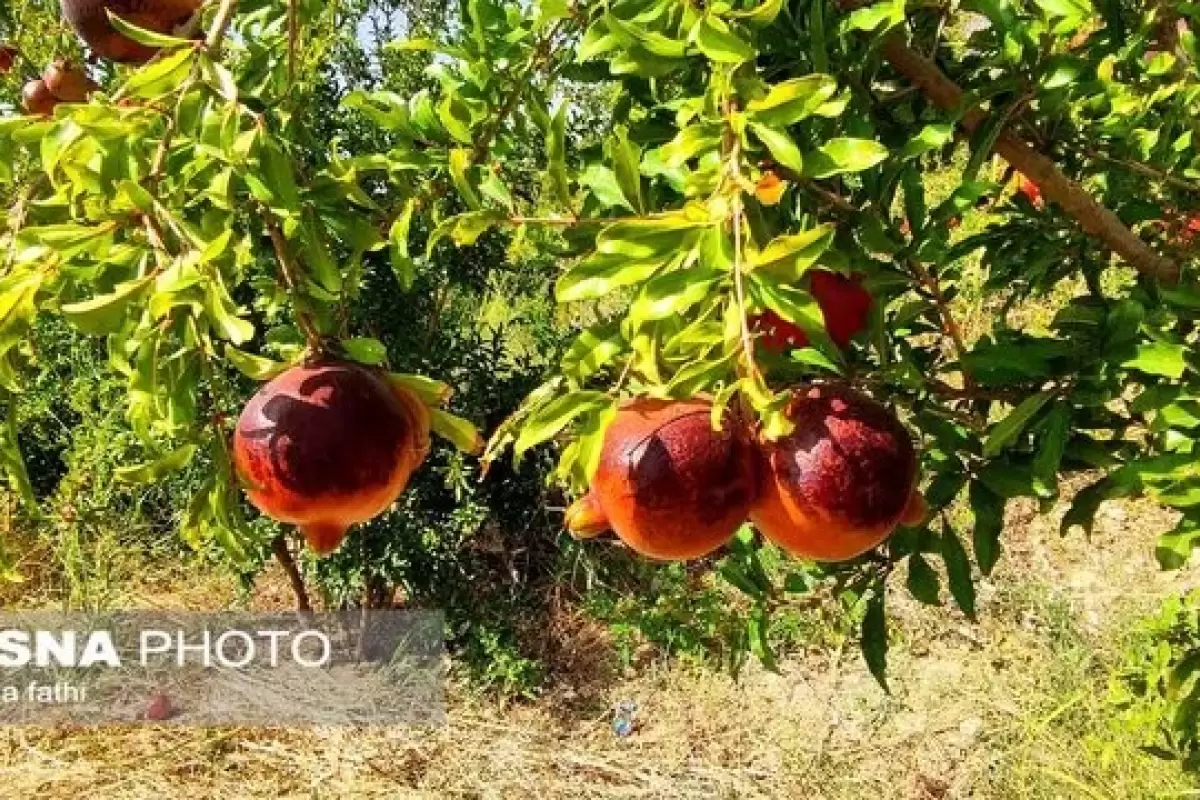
point(733, 160)
point(284, 556)
point(216, 34)
point(290, 271)
point(1147, 170)
point(1096, 219)
point(293, 36)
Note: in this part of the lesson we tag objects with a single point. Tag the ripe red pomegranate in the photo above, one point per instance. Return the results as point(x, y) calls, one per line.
point(845, 305)
point(8, 57)
point(842, 481)
point(668, 485)
point(91, 23)
point(68, 82)
point(328, 445)
point(37, 99)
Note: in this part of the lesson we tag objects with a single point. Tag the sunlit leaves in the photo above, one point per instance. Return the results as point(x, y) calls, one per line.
point(843, 155)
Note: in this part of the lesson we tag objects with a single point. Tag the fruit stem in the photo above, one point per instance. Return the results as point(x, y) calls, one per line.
point(585, 519)
point(284, 556)
point(290, 271)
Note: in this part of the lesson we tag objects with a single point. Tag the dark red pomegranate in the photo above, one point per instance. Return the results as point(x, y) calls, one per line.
point(91, 23)
point(845, 306)
point(37, 99)
point(842, 481)
point(668, 485)
point(8, 57)
point(329, 445)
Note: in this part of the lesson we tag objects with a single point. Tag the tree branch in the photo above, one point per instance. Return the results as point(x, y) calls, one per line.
point(216, 34)
point(1070, 197)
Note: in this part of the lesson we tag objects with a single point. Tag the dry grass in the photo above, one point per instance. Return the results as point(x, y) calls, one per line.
point(1009, 708)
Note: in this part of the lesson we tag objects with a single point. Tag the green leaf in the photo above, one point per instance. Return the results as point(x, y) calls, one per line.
point(458, 431)
point(157, 469)
point(365, 350)
point(147, 37)
point(988, 508)
point(958, 572)
point(547, 421)
point(1159, 358)
point(463, 229)
point(162, 76)
point(1051, 447)
point(874, 641)
point(761, 15)
point(792, 100)
point(1008, 429)
point(932, 137)
point(459, 162)
point(715, 40)
point(923, 582)
point(780, 146)
point(253, 366)
point(888, 13)
point(105, 313)
point(556, 152)
point(14, 463)
point(626, 158)
point(431, 392)
point(605, 187)
point(843, 155)
point(601, 273)
point(223, 313)
point(653, 42)
point(672, 293)
point(1175, 547)
point(789, 257)
point(402, 263)
point(592, 350)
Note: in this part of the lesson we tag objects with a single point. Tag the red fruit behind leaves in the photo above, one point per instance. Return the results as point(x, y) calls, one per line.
point(160, 708)
point(329, 445)
point(8, 57)
point(668, 485)
point(841, 482)
point(90, 20)
point(845, 307)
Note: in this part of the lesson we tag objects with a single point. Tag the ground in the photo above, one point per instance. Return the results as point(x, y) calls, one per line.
point(1012, 707)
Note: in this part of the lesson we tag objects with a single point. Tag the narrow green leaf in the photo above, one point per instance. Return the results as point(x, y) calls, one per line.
point(157, 469)
point(958, 572)
point(874, 640)
point(1006, 431)
point(458, 431)
point(547, 421)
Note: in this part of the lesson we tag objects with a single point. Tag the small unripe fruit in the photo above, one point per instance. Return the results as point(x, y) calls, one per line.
point(842, 481)
point(37, 99)
point(329, 445)
point(668, 485)
point(90, 20)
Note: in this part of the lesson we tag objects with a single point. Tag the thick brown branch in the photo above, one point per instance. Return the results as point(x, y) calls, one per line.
point(1093, 217)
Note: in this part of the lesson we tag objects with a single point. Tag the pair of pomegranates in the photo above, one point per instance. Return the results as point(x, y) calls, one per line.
point(674, 488)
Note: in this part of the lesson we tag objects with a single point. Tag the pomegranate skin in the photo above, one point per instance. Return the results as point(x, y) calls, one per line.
point(329, 445)
point(91, 23)
point(68, 82)
point(37, 99)
point(841, 482)
point(845, 306)
point(668, 485)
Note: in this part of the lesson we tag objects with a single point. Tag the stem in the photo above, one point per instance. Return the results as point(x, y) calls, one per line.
point(733, 161)
point(293, 35)
point(283, 555)
point(1057, 187)
point(216, 34)
point(1147, 170)
point(291, 278)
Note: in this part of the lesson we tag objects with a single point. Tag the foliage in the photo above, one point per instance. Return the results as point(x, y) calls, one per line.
point(209, 225)
point(1158, 688)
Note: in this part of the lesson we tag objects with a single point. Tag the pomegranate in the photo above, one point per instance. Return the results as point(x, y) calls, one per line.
point(37, 99)
point(68, 82)
point(668, 485)
point(845, 306)
point(91, 23)
point(8, 57)
point(842, 481)
point(328, 445)
point(1032, 192)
